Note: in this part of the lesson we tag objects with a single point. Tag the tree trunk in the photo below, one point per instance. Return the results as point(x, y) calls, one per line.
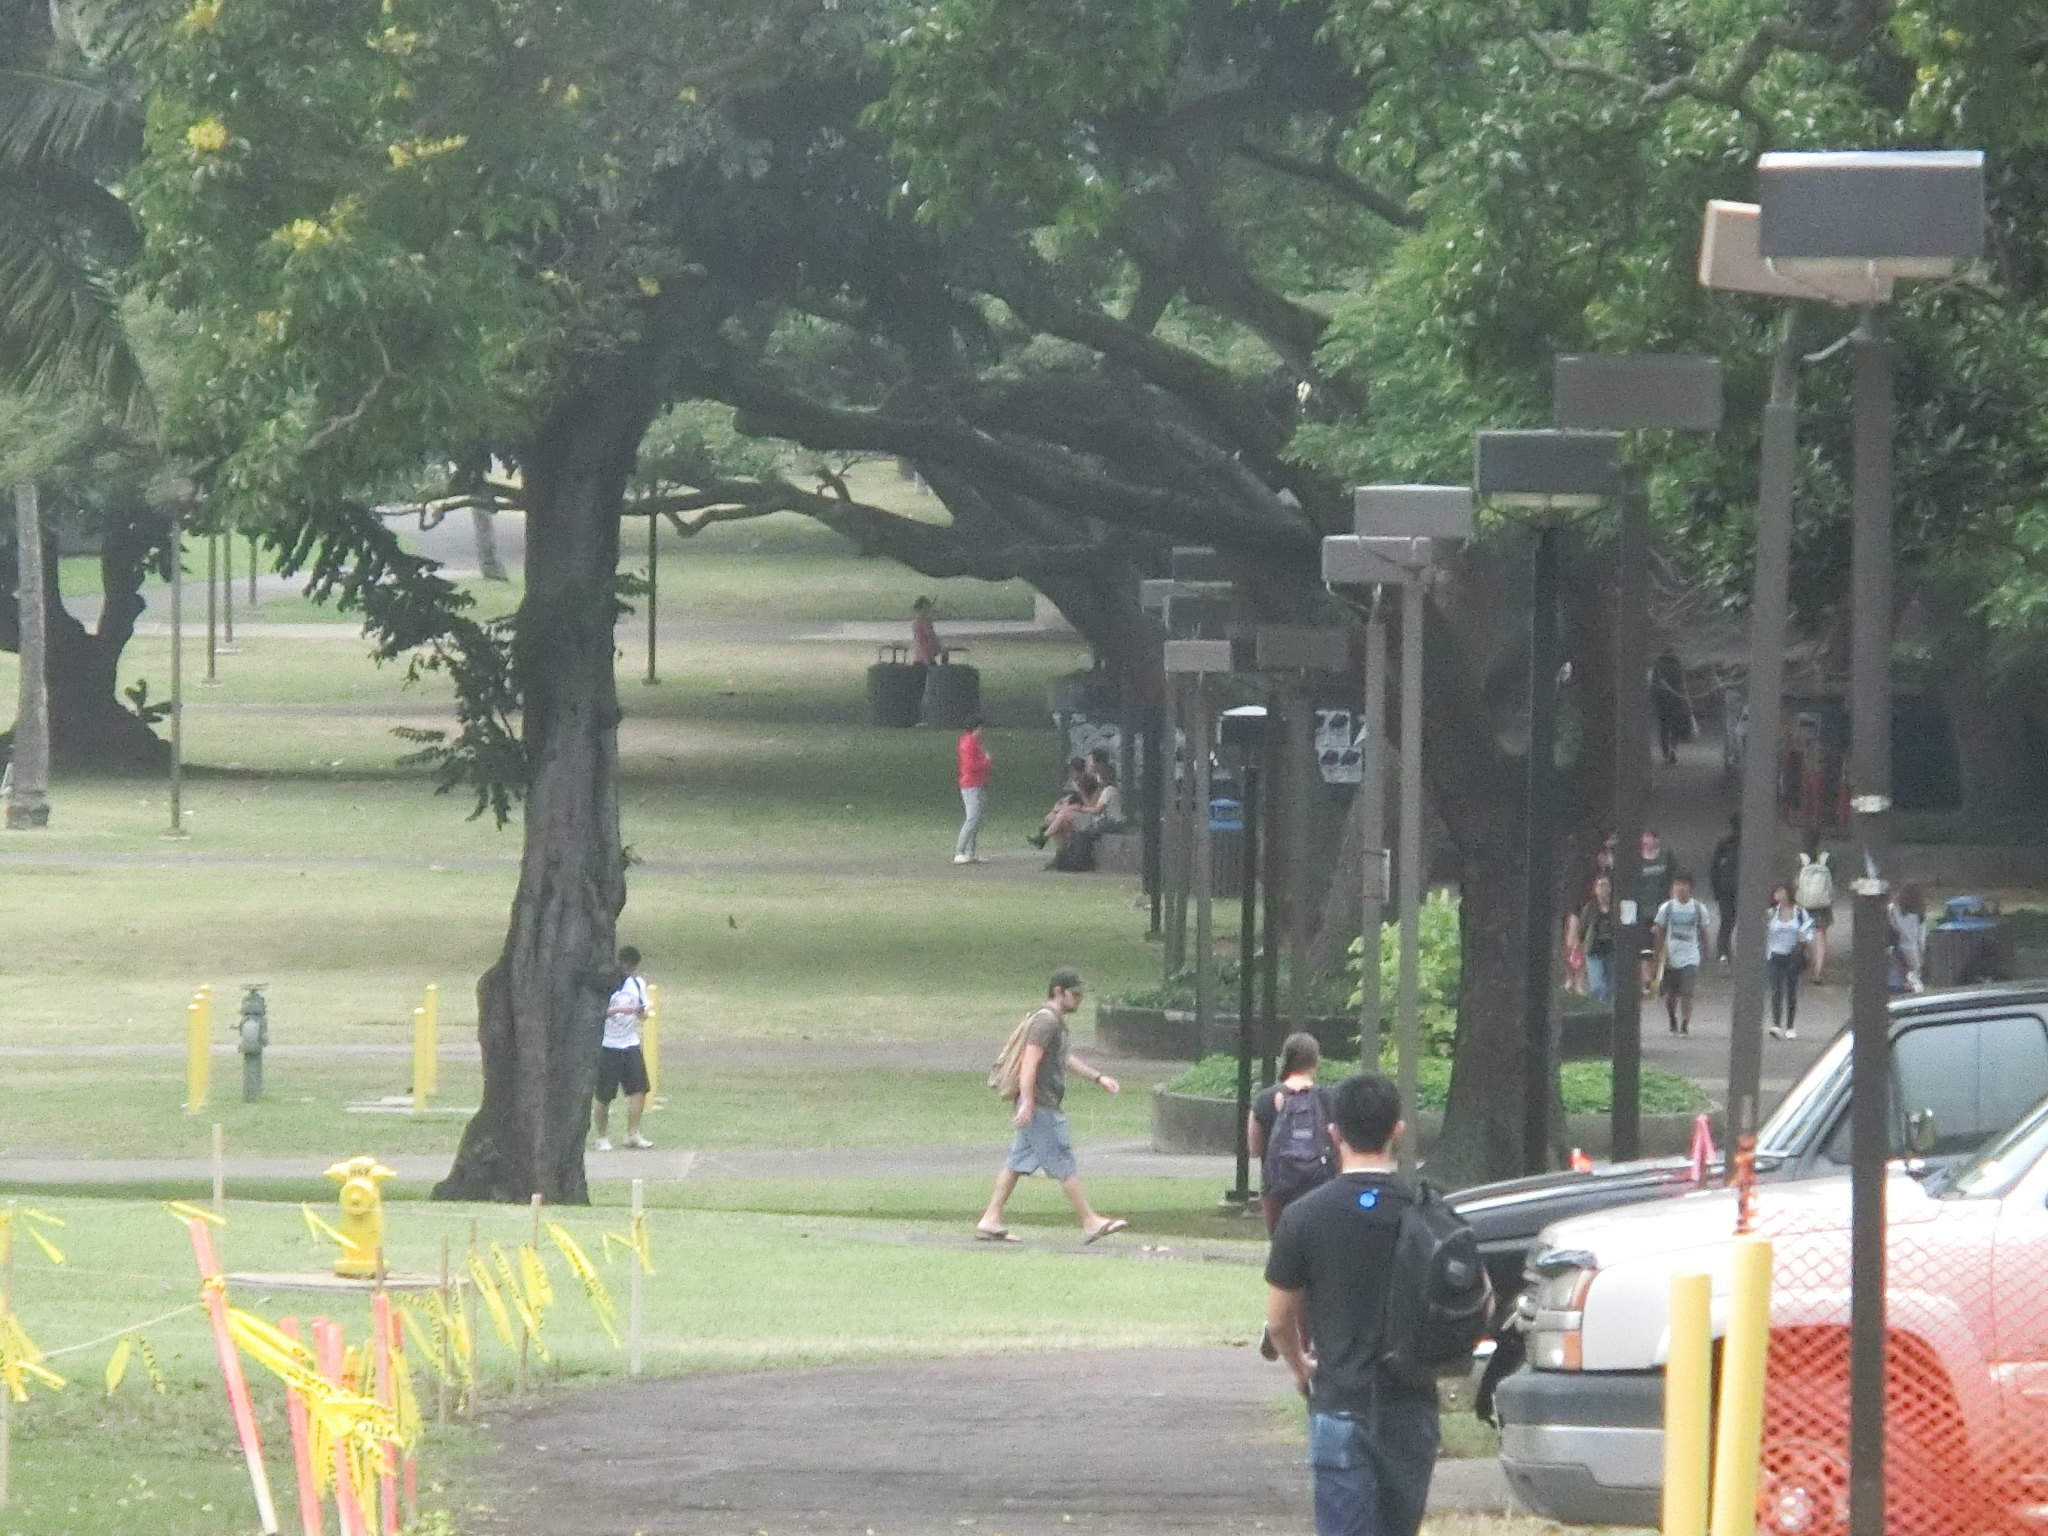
point(90, 726)
point(488, 563)
point(540, 1008)
point(1343, 907)
point(1482, 1135)
point(28, 794)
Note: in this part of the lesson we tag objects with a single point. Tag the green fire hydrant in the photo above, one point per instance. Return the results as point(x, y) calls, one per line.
point(254, 1032)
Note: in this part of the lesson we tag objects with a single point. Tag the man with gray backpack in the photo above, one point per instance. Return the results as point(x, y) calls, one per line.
point(1386, 1279)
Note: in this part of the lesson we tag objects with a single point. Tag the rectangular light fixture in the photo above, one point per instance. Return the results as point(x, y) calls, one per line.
point(1547, 469)
point(1622, 392)
point(1732, 262)
point(1197, 563)
point(1413, 511)
point(1350, 561)
point(1198, 656)
point(1917, 205)
point(1154, 595)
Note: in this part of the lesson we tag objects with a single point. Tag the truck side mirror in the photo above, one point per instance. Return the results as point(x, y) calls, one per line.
point(1922, 1134)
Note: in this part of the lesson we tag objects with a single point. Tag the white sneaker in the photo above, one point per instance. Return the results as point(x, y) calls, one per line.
point(961, 858)
point(637, 1140)
point(1790, 1034)
point(604, 1143)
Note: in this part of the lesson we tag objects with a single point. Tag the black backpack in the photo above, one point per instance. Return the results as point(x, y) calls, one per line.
point(1298, 1151)
point(1438, 1296)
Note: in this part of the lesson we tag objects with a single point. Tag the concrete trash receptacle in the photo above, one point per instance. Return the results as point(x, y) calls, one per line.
point(895, 690)
point(952, 695)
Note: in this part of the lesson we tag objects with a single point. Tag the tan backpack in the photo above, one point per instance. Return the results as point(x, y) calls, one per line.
point(1006, 1077)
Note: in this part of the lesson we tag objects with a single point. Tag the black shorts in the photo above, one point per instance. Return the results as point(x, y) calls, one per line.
point(1679, 979)
point(620, 1071)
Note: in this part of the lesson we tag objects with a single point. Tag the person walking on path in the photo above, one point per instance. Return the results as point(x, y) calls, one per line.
point(1906, 951)
point(1592, 939)
point(1372, 1438)
point(976, 768)
point(1723, 879)
point(1815, 891)
point(1652, 887)
point(1042, 1143)
point(1288, 1131)
point(1682, 928)
point(1673, 709)
point(1787, 931)
point(620, 1066)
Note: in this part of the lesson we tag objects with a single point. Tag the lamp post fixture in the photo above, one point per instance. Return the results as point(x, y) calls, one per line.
point(1244, 731)
point(1401, 530)
point(1628, 392)
point(1893, 214)
point(1548, 472)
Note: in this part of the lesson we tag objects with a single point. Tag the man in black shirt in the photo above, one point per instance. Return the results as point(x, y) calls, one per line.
point(1372, 1441)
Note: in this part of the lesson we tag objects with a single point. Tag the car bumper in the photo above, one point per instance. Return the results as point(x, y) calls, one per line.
point(1586, 1448)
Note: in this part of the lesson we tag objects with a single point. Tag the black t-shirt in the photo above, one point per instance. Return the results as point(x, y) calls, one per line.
point(1654, 887)
point(1266, 1105)
point(1337, 1243)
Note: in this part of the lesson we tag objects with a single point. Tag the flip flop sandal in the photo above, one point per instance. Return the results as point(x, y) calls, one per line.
point(1000, 1235)
point(1114, 1224)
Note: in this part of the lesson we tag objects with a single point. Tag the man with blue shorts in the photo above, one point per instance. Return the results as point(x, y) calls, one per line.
point(1041, 1143)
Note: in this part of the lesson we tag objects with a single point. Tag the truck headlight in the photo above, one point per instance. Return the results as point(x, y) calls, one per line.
point(1553, 1309)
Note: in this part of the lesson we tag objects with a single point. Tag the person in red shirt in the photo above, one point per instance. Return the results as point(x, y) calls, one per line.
point(976, 766)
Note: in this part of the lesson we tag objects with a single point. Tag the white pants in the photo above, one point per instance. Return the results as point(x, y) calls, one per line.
point(972, 801)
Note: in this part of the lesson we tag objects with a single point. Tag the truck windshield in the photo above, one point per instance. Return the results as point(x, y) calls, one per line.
point(1994, 1171)
point(1801, 1118)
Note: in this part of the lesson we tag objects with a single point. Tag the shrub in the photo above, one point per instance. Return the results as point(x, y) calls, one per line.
point(1588, 1085)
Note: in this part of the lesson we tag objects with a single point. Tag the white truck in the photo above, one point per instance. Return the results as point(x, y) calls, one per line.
point(1967, 1329)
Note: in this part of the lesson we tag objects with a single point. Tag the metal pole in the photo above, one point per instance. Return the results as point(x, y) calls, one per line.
point(1767, 625)
point(227, 589)
point(653, 590)
point(252, 570)
point(1154, 767)
point(1247, 976)
point(1173, 829)
point(1373, 834)
point(177, 675)
point(28, 794)
point(1205, 863)
point(1276, 894)
point(212, 609)
point(1870, 585)
point(1297, 750)
point(1631, 792)
point(1539, 851)
point(1408, 1027)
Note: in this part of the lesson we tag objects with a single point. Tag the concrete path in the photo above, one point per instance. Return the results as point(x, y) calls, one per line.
point(1136, 1442)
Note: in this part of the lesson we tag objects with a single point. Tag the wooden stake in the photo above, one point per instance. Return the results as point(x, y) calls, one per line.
point(525, 1335)
point(387, 1394)
point(469, 1318)
point(444, 1346)
point(633, 1281)
point(220, 1170)
point(348, 1501)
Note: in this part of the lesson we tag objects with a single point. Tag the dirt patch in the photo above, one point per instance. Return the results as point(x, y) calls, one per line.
point(1143, 1442)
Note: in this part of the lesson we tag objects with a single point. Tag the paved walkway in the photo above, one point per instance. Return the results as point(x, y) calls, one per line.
point(1135, 1442)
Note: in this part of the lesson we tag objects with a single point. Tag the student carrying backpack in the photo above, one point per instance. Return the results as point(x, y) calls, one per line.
point(1290, 1130)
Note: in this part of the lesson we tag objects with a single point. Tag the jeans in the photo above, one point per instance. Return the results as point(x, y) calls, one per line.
point(972, 801)
point(1785, 971)
point(1599, 983)
point(1372, 1468)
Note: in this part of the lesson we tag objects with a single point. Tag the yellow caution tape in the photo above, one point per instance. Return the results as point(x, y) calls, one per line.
point(494, 1303)
point(117, 1365)
point(337, 1412)
point(184, 1210)
point(586, 1272)
point(540, 1291)
point(156, 1375)
point(453, 1319)
point(528, 1318)
point(634, 1241)
point(320, 1228)
point(29, 1217)
point(21, 1361)
point(428, 1335)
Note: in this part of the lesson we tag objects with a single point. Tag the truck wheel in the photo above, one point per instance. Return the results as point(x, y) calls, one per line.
point(1804, 1485)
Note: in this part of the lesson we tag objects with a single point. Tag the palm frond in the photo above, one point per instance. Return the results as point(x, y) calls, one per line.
point(53, 119)
point(60, 321)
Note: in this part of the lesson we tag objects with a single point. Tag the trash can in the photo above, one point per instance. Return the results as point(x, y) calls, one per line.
point(1963, 946)
point(952, 694)
point(895, 689)
point(1226, 848)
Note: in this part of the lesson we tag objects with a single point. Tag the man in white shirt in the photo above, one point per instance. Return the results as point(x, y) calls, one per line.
point(1683, 932)
point(620, 1066)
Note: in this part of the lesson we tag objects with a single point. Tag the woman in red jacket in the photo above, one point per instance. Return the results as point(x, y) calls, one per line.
point(975, 767)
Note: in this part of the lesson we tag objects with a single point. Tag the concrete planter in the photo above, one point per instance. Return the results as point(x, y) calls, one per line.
point(1169, 1034)
point(1184, 1123)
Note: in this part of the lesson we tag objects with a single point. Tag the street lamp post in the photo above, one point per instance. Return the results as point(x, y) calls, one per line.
point(1895, 214)
point(1550, 472)
point(1244, 731)
point(1620, 393)
point(1401, 530)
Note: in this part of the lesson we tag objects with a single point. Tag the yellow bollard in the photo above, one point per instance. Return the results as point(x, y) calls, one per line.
point(198, 1052)
point(650, 1040)
point(1743, 1352)
point(422, 1055)
point(1688, 1405)
point(433, 1056)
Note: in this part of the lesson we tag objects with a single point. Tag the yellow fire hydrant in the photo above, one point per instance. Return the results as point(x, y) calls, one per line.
point(362, 1216)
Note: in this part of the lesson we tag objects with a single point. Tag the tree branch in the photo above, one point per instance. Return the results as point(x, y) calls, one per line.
point(1332, 178)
